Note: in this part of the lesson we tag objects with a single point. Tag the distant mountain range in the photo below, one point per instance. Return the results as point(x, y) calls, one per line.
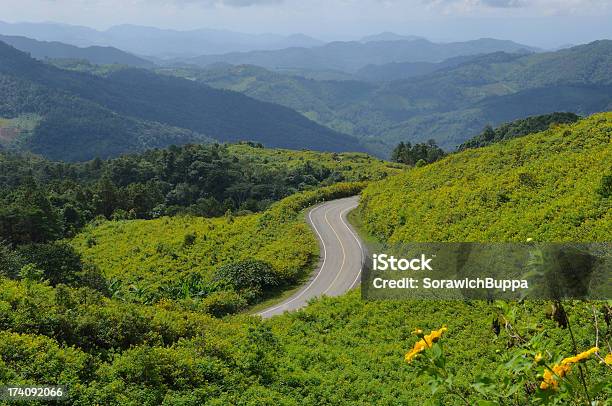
point(389, 36)
point(352, 56)
point(157, 42)
point(78, 116)
point(448, 101)
point(367, 94)
point(203, 47)
point(57, 50)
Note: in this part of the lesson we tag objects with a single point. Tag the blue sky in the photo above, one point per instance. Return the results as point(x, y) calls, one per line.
point(545, 23)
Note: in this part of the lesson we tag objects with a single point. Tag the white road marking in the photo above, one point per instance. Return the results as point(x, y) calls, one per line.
point(341, 246)
point(318, 273)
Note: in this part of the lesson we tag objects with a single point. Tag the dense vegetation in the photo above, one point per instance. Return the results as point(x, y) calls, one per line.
point(517, 128)
point(129, 110)
point(546, 186)
point(133, 348)
point(44, 200)
point(217, 265)
point(126, 310)
point(337, 351)
point(393, 71)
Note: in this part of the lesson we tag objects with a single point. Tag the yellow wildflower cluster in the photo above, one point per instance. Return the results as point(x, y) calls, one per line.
point(424, 343)
point(580, 357)
point(551, 378)
point(608, 359)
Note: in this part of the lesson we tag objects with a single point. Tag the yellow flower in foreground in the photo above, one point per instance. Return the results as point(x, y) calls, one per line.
point(538, 358)
point(434, 336)
point(426, 342)
point(608, 359)
point(550, 379)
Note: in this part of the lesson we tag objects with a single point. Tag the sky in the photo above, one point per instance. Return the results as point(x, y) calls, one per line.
point(544, 23)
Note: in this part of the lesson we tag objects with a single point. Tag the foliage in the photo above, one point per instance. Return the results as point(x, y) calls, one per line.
point(126, 349)
point(27, 215)
point(249, 274)
point(337, 351)
point(518, 128)
point(542, 186)
point(524, 374)
point(45, 200)
point(412, 155)
point(148, 260)
point(605, 188)
point(58, 260)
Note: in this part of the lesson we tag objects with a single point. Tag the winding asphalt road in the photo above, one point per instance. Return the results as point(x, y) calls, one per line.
point(341, 256)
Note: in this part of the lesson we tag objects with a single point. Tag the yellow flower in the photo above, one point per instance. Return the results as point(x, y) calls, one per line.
point(538, 358)
point(426, 342)
point(418, 332)
point(550, 379)
point(580, 357)
point(608, 359)
point(418, 347)
point(434, 336)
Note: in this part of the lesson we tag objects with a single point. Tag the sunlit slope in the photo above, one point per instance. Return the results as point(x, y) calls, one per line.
point(177, 257)
point(548, 186)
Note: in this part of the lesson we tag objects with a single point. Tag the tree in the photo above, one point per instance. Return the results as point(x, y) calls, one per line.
point(408, 154)
point(59, 261)
point(106, 197)
point(29, 218)
point(10, 261)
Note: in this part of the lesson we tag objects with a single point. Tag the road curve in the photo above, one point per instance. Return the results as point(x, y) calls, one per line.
point(341, 259)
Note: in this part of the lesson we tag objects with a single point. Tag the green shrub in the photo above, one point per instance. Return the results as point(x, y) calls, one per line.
point(249, 274)
point(222, 303)
point(605, 187)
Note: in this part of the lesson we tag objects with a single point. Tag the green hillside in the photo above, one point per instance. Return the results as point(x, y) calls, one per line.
point(318, 100)
point(126, 346)
point(129, 110)
point(542, 186)
point(139, 222)
point(44, 200)
point(451, 104)
point(182, 258)
point(57, 50)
